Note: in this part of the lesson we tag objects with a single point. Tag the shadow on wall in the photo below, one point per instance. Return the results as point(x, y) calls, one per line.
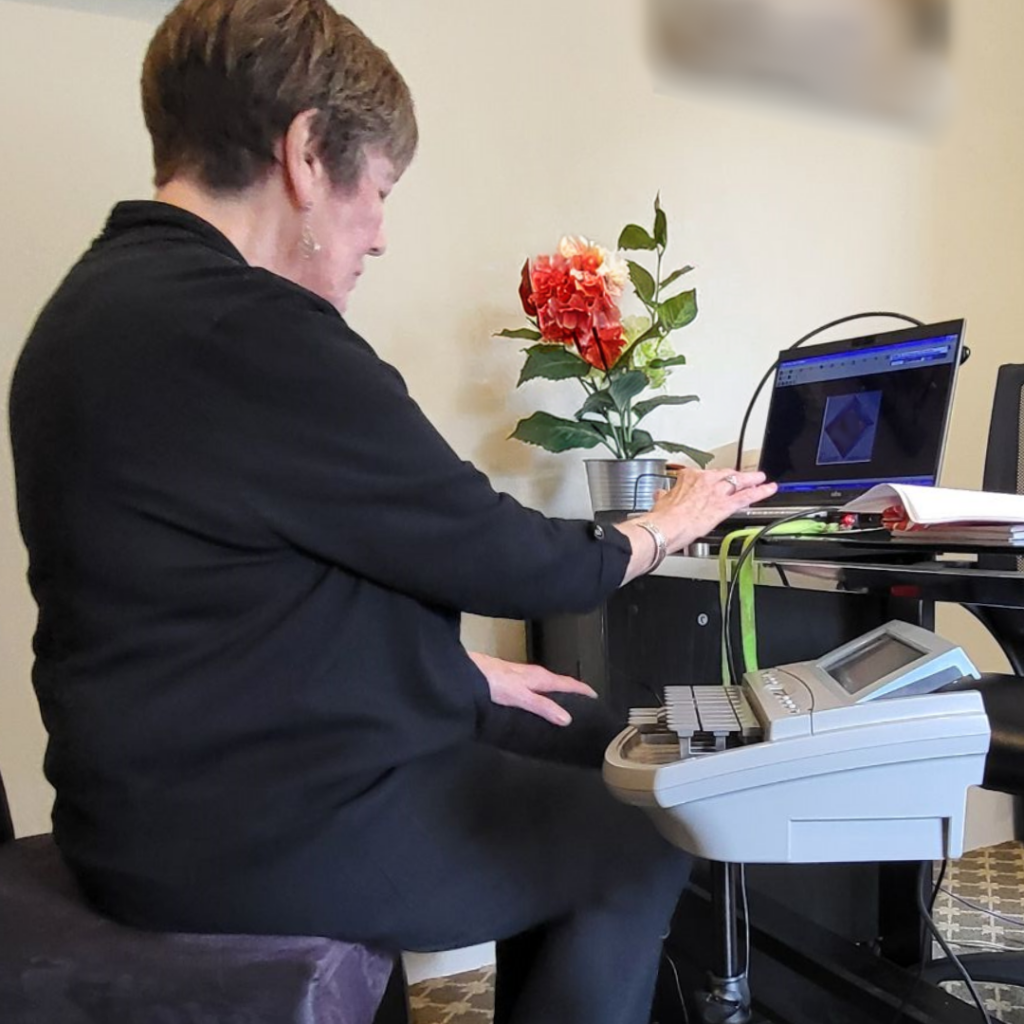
point(490, 398)
point(138, 10)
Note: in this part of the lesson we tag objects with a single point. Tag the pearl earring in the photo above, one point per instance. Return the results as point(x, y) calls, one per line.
point(308, 244)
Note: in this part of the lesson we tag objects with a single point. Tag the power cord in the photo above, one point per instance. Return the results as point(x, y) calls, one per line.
point(925, 867)
point(679, 986)
point(991, 947)
point(928, 922)
point(797, 344)
point(987, 911)
point(746, 917)
point(658, 697)
point(748, 552)
point(926, 911)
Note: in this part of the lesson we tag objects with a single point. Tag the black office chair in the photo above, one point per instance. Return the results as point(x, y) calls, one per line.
point(1004, 472)
point(1004, 460)
point(63, 963)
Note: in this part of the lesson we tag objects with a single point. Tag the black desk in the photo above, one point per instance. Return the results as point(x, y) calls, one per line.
point(841, 934)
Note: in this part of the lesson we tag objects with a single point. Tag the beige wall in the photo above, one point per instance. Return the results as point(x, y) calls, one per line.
point(539, 119)
point(975, 246)
point(73, 143)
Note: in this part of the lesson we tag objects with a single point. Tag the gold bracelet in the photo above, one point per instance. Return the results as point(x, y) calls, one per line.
point(660, 544)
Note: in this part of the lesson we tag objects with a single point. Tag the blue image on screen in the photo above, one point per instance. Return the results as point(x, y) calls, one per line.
point(849, 427)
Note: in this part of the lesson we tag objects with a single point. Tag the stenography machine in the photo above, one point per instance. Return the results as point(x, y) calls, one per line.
point(852, 757)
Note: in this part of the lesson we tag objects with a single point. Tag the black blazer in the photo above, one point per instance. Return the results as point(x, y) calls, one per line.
point(250, 550)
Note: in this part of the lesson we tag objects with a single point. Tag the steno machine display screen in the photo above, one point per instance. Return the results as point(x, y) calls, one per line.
point(883, 655)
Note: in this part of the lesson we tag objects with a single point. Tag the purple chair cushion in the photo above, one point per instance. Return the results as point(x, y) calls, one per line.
point(63, 963)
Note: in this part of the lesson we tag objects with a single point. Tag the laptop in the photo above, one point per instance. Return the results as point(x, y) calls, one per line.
point(850, 414)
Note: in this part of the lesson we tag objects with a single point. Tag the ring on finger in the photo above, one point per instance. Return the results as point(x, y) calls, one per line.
point(733, 481)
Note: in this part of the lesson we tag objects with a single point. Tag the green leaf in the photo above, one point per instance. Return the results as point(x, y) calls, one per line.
point(639, 444)
point(702, 458)
point(660, 226)
point(635, 237)
point(675, 275)
point(679, 310)
point(641, 409)
point(660, 364)
point(552, 362)
point(555, 434)
point(625, 387)
point(643, 282)
point(599, 402)
point(525, 333)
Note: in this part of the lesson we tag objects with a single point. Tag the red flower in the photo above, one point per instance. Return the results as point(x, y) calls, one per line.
point(606, 342)
point(525, 290)
point(573, 305)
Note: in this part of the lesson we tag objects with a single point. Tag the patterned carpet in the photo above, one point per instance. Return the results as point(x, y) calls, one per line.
point(460, 999)
point(993, 878)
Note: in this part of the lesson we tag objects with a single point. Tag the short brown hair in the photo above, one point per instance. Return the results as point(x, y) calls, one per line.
point(223, 80)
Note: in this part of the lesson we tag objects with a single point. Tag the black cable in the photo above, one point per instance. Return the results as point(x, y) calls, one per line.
point(797, 344)
point(926, 917)
point(928, 926)
point(636, 487)
point(659, 698)
point(925, 942)
point(987, 911)
point(747, 552)
point(935, 891)
point(679, 986)
point(925, 910)
point(746, 918)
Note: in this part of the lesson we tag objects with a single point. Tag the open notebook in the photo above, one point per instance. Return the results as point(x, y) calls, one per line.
point(943, 514)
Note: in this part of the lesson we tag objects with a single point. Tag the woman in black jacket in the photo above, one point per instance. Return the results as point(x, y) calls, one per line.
point(250, 552)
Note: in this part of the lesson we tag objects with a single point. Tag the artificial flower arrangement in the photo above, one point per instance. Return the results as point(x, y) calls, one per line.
point(571, 299)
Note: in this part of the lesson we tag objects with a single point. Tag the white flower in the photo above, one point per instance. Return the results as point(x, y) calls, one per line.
point(611, 266)
point(576, 245)
point(615, 271)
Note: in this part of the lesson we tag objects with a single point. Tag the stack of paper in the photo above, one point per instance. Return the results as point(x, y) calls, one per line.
point(999, 536)
point(940, 515)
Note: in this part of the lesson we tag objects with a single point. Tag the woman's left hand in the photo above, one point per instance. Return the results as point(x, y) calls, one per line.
point(514, 685)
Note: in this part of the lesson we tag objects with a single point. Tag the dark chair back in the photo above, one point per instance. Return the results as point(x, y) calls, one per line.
point(1004, 462)
point(1004, 472)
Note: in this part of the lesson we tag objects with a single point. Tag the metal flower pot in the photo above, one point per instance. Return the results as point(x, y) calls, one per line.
point(621, 486)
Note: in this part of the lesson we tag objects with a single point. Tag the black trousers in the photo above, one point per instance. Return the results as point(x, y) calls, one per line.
point(513, 838)
point(631, 971)
point(516, 838)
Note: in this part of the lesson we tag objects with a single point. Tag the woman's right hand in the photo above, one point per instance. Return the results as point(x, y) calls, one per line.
point(695, 505)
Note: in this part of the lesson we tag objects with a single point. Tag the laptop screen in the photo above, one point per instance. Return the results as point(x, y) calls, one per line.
point(851, 414)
